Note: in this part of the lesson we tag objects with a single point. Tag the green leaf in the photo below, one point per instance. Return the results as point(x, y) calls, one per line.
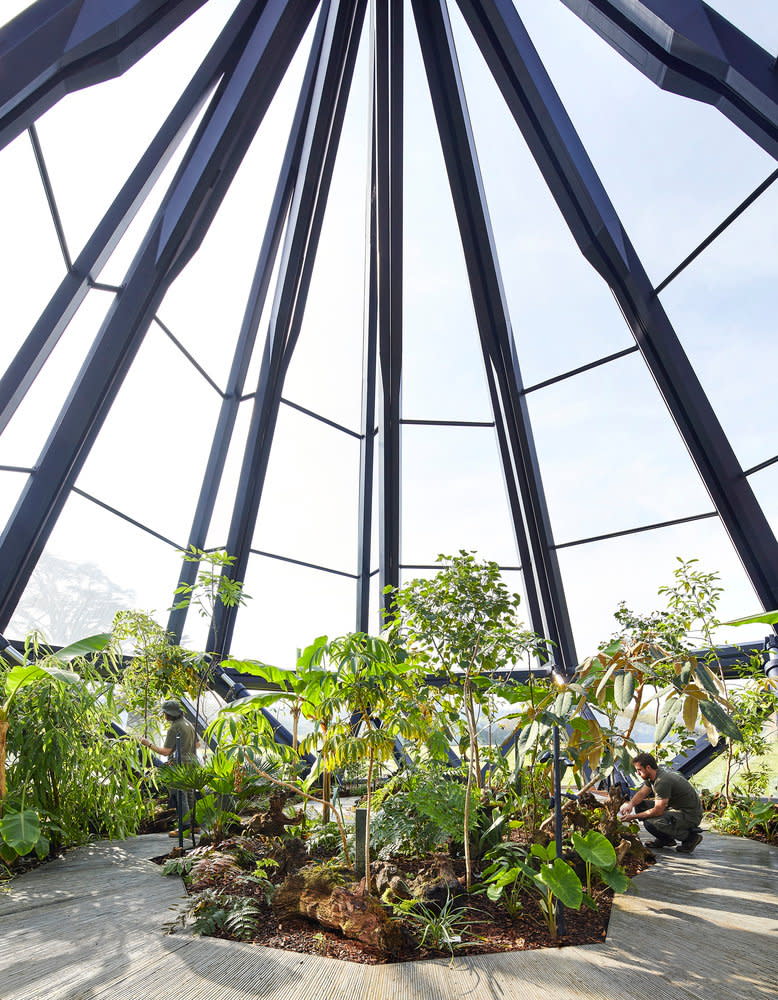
point(623, 688)
point(595, 849)
point(7, 853)
point(256, 669)
point(21, 830)
point(718, 718)
point(312, 654)
point(59, 674)
point(667, 718)
point(563, 883)
point(539, 851)
point(763, 618)
point(706, 679)
point(42, 847)
point(20, 676)
point(83, 647)
point(616, 878)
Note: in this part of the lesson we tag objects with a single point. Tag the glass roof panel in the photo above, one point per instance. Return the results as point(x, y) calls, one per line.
point(673, 167)
point(28, 430)
point(610, 455)
point(115, 269)
point(325, 374)
point(599, 575)
point(11, 486)
point(454, 495)
point(442, 362)
point(31, 263)
point(309, 503)
point(562, 312)
point(204, 306)
point(290, 606)
point(95, 564)
point(723, 306)
point(148, 461)
point(93, 137)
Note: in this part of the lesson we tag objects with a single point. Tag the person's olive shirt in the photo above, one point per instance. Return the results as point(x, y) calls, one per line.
point(680, 794)
point(180, 727)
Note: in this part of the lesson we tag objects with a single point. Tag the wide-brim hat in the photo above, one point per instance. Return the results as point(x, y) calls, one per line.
point(173, 709)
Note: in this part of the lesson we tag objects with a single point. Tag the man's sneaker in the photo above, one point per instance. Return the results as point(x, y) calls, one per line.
point(659, 843)
point(688, 845)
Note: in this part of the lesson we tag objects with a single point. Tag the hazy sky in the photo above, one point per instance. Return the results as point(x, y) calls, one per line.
point(610, 456)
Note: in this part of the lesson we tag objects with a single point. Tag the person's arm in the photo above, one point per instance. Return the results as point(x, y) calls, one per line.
point(162, 751)
point(637, 798)
point(657, 809)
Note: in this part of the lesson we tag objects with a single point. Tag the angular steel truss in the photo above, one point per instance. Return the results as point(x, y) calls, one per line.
point(57, 46)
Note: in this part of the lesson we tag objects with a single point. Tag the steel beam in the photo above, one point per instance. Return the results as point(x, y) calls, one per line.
point(686, 47)
point(543, 583)
point(592, 220)
point(252, 315)
point(389, 229)
point(45, 335)
point(383, 320)
point(369, 369)
point(190, 204)
point(58, 46)
point(306, 214)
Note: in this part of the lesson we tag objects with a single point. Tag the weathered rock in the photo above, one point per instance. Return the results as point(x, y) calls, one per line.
point(357, 916)
point(438, 886)
point(383, 875)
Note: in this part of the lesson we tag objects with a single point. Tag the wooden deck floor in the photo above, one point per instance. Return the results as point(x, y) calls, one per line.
point(88, 928)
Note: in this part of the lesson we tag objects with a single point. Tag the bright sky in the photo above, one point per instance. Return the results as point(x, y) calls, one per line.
point(610, 456)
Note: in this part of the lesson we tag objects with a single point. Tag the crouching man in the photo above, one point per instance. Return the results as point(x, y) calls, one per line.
point(666, 804)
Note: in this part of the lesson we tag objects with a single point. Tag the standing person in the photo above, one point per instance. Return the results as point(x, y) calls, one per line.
point(177, 726)
point(670, 807)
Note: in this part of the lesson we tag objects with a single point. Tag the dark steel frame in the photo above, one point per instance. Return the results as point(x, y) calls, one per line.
point(57, 46)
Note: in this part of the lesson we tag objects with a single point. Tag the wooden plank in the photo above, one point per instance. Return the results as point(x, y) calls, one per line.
point(89, 928)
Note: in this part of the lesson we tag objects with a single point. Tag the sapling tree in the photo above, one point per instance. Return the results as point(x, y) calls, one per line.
point(373, 703)
point(654, 659)
point(213, 587)
point(463, 624)
point(159, 669)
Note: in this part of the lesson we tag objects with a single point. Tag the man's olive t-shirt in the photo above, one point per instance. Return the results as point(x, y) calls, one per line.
point(184, 729)
point(680, 794)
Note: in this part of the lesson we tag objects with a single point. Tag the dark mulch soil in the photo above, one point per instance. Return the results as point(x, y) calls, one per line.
point(491, 928)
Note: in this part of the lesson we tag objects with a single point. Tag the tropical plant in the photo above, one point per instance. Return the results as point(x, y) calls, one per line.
point(598, 854)
point(552, 879)
point(746, 817)
point(463, 623)
point(210, 912)
point(213, 588)
point(157, 669)
point(440, 928)
point(373, 684)
point(63, 780)
point(506, 876)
